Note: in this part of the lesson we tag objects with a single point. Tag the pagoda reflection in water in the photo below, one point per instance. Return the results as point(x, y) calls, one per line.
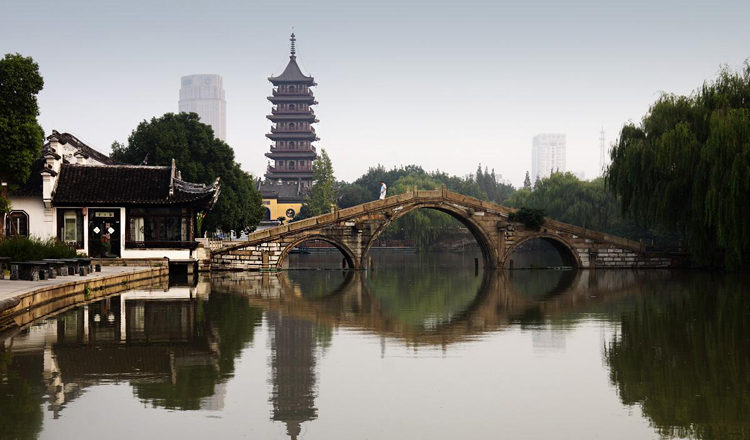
point(293, 346)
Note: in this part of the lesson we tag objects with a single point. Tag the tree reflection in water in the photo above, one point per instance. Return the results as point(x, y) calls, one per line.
point(684, 357)
point(681, 351)
point(21, 391)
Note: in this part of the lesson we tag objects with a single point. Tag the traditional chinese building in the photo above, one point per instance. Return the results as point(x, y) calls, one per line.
point(108, 209)
point(289, 175)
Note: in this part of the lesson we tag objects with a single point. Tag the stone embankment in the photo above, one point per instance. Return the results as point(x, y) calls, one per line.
point(22, 302)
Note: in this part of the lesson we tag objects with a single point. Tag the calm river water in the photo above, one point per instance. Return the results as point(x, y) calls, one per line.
point(422, 347)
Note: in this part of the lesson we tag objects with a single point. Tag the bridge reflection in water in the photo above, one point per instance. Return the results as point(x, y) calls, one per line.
point(177, 348)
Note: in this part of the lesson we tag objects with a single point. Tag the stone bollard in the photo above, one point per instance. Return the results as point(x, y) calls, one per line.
point(50, 273)
point(34, 274)
point(64, 271)
point(98, 268)
point(82, 271)
point(14, 272)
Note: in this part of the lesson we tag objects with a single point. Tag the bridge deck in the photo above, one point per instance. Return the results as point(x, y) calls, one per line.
point(417, 197)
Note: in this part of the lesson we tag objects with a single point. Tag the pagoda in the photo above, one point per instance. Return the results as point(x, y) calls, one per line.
point(292, 152)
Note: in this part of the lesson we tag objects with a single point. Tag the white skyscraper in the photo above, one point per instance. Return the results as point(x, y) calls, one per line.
point(204, 94)
point(547, 155)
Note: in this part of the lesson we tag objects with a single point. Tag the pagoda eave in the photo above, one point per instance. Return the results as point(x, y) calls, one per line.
point(288, 117)
point(277, 81)
point(286, 176)
point(311, 155)
point(292, 137)
point(293, 99)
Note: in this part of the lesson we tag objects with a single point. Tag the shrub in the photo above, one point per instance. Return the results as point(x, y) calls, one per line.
point(34, 249)
point(531, 218)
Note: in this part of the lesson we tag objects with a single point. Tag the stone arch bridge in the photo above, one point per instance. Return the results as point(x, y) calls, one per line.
point(354, 230)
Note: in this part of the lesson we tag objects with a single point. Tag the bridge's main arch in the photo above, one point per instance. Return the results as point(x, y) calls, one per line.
point(490, 254)
point(352, 260)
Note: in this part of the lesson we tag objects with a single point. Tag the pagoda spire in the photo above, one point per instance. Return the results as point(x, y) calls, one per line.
point(294, 49)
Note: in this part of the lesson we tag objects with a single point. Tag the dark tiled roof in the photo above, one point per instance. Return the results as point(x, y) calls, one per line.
point(33, 185)
point(127, 185)
point(292, 73)
point(289, 192)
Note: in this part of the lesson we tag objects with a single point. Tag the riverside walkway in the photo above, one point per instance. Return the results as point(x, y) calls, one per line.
point(48, 296)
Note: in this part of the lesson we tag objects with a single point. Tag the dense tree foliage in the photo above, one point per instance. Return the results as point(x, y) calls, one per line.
point(687, 166)
point(323, 192)
point(588, 204)
point(565, 198)
point(496, 191)
point(201, 158)
point(21, 137)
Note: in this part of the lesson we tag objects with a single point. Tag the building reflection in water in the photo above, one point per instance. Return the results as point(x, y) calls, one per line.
point(293, 344)
point(176, 348)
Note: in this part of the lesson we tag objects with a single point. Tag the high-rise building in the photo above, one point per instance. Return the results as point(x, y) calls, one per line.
point(547, 155)
point(204, 94)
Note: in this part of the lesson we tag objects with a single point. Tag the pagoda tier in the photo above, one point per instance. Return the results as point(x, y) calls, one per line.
point(292, 116)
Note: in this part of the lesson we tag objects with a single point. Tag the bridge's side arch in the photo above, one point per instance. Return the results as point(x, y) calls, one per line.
point(352, 261)
point(566, 250)
point(490, 253)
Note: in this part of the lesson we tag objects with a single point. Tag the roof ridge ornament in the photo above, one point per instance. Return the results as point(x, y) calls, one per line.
point(293, 39)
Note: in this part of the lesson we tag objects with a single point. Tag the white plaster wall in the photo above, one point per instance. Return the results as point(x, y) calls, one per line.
point(41, 224)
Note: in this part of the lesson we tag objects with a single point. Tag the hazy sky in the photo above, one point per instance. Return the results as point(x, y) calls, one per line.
point(442, 84)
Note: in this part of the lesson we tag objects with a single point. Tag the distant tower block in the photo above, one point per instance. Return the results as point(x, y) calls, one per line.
point(204, 94)
point(602, 152)
point(292, 151)
point(548, 155)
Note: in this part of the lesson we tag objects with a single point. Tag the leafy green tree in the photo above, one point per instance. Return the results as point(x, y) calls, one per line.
point(201, 158)
point(686, 166)
point(588, 204)
point(323, 193)
point(565, 198)
point(527, 181)
point(21, 136)
point(496, 192)
point(351, 194)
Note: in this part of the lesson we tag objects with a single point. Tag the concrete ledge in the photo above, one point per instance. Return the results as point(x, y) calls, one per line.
point(31, 305)
point(134, 262)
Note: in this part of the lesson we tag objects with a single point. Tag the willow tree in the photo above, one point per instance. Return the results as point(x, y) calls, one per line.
point(687, 166)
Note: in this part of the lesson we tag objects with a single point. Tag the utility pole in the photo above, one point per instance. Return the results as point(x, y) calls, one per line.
point(602, 153)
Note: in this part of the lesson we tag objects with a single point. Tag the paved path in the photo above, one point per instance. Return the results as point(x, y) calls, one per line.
point(16, 288)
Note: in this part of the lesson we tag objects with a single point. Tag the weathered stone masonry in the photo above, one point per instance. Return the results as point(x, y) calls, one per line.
point(354, 230)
